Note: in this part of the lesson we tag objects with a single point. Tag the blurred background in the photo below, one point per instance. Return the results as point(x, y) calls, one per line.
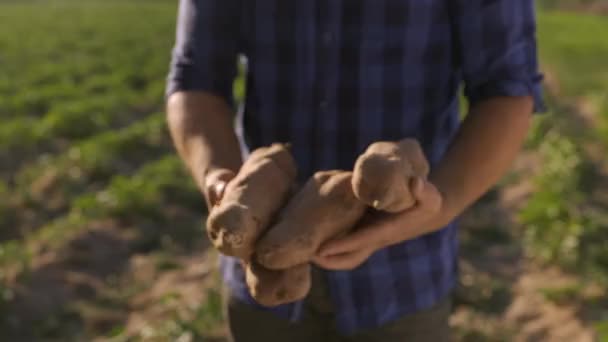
point(101, 228)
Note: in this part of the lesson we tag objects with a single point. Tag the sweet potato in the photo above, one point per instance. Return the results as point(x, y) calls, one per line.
point(277, 287)
point(324, 208)
point(383, 174)
point(280, 154)
point(251, 200)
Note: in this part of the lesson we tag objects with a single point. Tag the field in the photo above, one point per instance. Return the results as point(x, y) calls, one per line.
point(100, 227)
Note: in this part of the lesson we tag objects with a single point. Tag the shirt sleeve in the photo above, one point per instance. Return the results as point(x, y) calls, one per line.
point(205, 52)
point(497, 48)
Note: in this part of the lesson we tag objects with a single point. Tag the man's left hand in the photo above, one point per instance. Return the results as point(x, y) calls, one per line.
point(378, 230)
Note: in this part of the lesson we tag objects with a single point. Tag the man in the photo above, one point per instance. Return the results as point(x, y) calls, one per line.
point(331, 77)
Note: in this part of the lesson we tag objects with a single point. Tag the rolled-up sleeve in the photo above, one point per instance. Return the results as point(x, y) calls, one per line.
point(206, 47)
point(498, 49)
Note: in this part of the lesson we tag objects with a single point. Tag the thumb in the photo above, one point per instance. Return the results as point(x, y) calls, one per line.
point(217, 192)
point(417, 187)
point(216, 183)
point(426, 194)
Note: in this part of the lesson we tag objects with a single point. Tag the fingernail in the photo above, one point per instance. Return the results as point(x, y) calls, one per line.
point(220, 187)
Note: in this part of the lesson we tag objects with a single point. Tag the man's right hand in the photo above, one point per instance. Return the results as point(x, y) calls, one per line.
point(215, 185)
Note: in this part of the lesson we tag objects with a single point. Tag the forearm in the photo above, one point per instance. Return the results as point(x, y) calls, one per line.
point(202, 130)
point(482, 152)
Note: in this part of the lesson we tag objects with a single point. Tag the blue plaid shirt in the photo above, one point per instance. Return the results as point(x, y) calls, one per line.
point(333, 76)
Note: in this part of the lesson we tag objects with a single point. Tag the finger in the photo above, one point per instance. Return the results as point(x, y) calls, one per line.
point(417, 187)
point(218, 191)
point(353, 242)
point(431, 198)
point(225, 175)
point(342, 262)
point(427, 197)
point(213, 200)
point(216, 184)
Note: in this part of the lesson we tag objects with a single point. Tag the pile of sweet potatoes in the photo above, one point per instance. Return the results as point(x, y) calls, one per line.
point(275, 228)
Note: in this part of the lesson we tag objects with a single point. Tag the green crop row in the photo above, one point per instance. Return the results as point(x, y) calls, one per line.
point(96, 160)
point(145, 196)
point(569, 48)
point(563, 219)
point(97, 71)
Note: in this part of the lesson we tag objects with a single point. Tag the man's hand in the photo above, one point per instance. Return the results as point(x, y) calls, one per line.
point(379, 230)
point(215, 184)
point(482, 151)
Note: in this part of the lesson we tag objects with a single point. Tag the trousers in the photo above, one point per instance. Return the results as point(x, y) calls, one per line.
point(247, 324)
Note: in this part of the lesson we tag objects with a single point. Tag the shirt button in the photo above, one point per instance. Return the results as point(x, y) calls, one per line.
point(328, 38)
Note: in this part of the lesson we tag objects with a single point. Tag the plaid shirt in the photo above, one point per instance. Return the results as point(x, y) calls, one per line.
point(331, 77)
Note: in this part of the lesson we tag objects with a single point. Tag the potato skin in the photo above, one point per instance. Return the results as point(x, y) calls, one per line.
point(251, 200)
point(280, 154)
point(383, 173)
point(324, 208)
point(276, 287)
